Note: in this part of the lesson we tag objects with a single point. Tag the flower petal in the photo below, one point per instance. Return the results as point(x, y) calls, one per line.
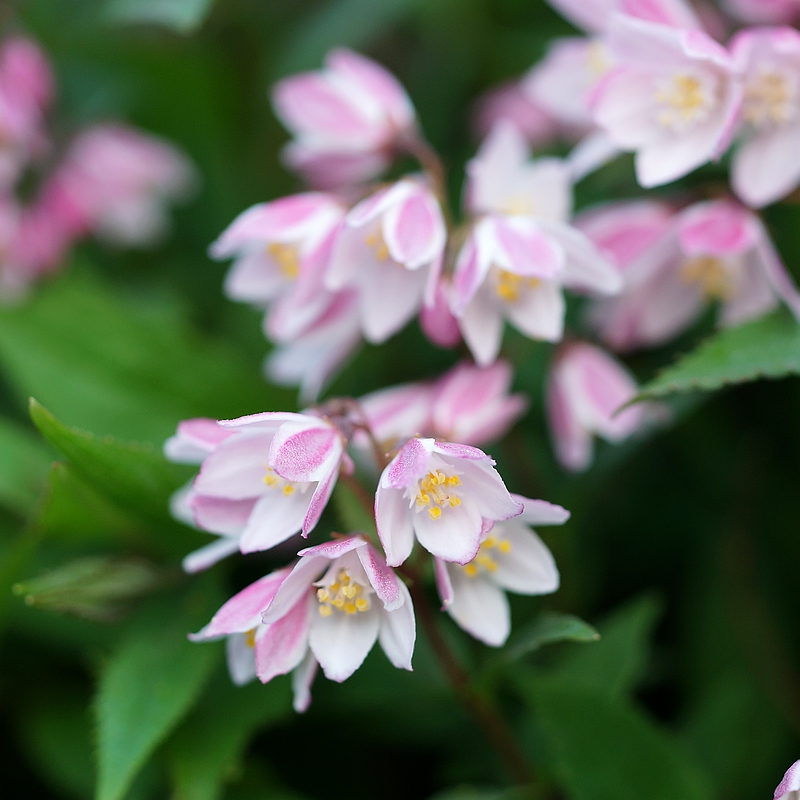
point(529, 567)
point(274, 519)
point(386, 584)
point(398, 631)
point(341, 642)
point(305, 450)
point(284, 643)
point(302, 678)
point(479, 607)
point(207, 556)
point(241, 659)
point(455, 536)
point(393, 520)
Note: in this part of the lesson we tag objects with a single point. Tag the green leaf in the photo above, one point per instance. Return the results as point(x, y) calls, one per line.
point(351, 23)
point(472, 793)
point(549, 628)
point(618, 661)
point(765, 348)
point(125, 370)
point(24, 463)
point(136, 476)
point(207, 750)
point(149, 684)
point(95, 587)
point(604, 749)
point(182, 16)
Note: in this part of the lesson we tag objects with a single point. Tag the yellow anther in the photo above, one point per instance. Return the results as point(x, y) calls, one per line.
point(454, 502)
point(349, 591)
point(435, 512)
point(769, 98)
point(285, 257)
point(470, 570)
point(270, 480)
point(288, 489)
point(250, 637)
point(685, 100)
point(504, 546)
point(489, 542)
point(375, 241)
point(350, 608)
point(344, 578)
point(711, 274)
point(454, 480)
point(325, 611)
point(487, 562)
point(323, 595)
point(362, 604)
point(338, 601)
point(509, 285)
point(423, 499)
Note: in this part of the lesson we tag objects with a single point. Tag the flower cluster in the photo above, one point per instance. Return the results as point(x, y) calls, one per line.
point(351, 260)
point(110, 180)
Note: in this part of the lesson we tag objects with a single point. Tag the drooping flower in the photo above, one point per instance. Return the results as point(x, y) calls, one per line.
point(766, 166)
point(673, 99)
point(715, 250)
point(337, 601)
point(446, 495)
point(521, 250)
point(586, 388)
point(467, 405)
point(390, 251)
point(511, 558)
point(789, 787)
point(115, 182)
point(436, 320)
point(346, 119)
point(282, 250)
point(310, 358)
point(268, 480)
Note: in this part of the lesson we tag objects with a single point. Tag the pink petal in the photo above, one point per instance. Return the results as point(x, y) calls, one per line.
point(790, 782)
point(385, 583)
point(443, 583)
point(296, 586)
point(717, 228)
point(334, 548)
point(305, 450)
point(414, 229)
point(284, 644)
point(409, 465)
point(320, 498)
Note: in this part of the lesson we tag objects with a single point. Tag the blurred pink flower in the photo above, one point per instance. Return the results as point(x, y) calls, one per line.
point(115, 182)
point(390, 250)
point(346, 119)
point(511, 558)
point(268, 480)
point(585, 389)
point(511, 103)
point(715, 250)
point(766, 167)
point(445, 495)
point(437, 320)
point(789, 787)
point(674, 98)
point(770, 12)
point(468, 405)
point(595, 15)
point(521, 251)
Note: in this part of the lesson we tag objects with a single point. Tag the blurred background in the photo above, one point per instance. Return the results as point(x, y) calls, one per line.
point(682, 547)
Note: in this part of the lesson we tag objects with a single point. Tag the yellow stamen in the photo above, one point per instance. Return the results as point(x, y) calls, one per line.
point(711, 274)
point(325, 611)
point(286, 258)
point(510, 285)
point(343, 594)
point(769, 99)
point(435, 512)
point(504, 546)
point(288, 489)
point(250, 637)
point(362, 604)
point(470, 570)
point(375, 241)
point(323, 595)
point(685, 100)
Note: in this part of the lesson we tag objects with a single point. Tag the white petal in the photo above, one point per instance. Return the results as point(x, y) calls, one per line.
point(482, 327)
point(241, 659)
point(395, 529)
point(302, 678)
point(341, 641)
point(539, 312)
point(529, 567)
point(399, 632)
point(274, 519)
point(479, 607)
point(390, 296)
point(455, 536)
point(207, 556)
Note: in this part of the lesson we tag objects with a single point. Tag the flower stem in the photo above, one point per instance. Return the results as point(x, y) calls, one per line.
point(477, 704)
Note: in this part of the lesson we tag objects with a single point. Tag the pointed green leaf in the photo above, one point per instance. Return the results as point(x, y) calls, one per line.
point(208, 748)
point(765, 348)
point(136, 476)
point(24, 463)
point(549, 628)
point(604, 749)
point(150, 683)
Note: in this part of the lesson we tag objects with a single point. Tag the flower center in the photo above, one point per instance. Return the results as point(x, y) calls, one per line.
point(343, 595)
point(486, 558)
point(375, 241)
point(711, 274)
point(770, 98)
point(436, 491)
point(685, 100)
point(285, 256)
point(510, 285)
point(597, 59)
point(274, 481)
point(250, 638)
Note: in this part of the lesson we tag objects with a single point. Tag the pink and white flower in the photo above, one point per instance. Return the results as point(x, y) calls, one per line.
point(445, 495)
point(311, 358)
point(390, 251)
point(511, 558)
point(268, 480)
point(765, 12)
point(715, 250)
point(521, 251)
point(766, 166)
point(673, 99)
point(586, 388)
point(595, 15)
point(436, 320)
point(512, 103)
point(468, 405)
point(282, 250)
point(789, 787)
point(346, 119)
point(331, 608)
point(116, 182)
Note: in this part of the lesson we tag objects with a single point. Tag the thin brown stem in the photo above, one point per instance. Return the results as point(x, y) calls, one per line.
point(478, 705)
